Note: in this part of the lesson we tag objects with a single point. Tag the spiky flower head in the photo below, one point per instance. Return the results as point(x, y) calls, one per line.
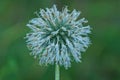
point(57, 37)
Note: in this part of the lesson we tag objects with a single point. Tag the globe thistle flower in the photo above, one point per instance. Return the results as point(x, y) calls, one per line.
point(58, 37)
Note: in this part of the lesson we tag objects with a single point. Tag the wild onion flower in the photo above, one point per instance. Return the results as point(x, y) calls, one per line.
point(58, 37)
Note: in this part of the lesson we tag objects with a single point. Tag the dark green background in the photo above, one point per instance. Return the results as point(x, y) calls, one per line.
point(101, 61)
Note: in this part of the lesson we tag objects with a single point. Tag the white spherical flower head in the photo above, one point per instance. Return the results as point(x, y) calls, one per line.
point(57, 37)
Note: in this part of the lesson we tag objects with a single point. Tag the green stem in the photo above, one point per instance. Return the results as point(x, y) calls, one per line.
point(57, 72)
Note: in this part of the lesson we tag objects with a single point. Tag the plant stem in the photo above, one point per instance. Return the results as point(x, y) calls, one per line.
point(57, 72)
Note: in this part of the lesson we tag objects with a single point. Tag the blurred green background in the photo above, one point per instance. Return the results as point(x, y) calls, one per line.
point(100, 62)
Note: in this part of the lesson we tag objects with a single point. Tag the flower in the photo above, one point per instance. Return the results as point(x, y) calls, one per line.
point(57, 37)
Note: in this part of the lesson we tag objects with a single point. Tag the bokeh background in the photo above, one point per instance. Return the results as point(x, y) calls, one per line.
point(100, 62)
